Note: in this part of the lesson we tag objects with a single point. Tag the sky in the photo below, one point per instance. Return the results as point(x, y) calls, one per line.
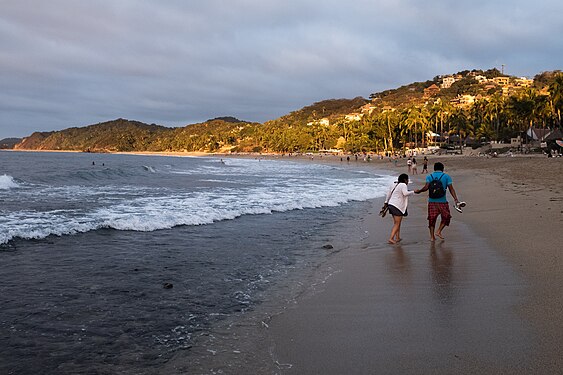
point(72, 63)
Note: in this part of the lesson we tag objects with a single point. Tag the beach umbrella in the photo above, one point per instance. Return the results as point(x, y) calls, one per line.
point(559, 142)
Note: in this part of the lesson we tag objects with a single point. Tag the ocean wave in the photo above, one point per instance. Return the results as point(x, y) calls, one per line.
point(145, 214)
point(7, 182)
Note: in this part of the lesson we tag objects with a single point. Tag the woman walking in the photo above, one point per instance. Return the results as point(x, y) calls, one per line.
point(398, 200)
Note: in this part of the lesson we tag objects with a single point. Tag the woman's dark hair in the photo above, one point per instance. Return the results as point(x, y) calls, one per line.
point(404, 178)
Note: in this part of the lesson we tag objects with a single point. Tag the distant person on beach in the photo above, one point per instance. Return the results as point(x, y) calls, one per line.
point(414, 168)
point(398, 199)
point(438, 205)
point(409, 164)
point(425, 165)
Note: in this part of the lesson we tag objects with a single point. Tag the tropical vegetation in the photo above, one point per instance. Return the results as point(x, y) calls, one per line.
point(476, 108)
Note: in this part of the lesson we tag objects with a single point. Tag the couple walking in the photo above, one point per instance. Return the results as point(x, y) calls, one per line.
point(437, 182)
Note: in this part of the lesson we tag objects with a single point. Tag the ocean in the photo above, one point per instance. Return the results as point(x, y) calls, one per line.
point(117, 263)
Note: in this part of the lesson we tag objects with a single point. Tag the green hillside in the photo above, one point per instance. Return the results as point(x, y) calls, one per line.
point(472, 105)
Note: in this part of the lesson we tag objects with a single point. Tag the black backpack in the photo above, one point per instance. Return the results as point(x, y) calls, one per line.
point(436, 189)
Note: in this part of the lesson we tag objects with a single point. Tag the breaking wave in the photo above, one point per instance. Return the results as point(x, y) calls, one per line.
point(7, 182)
point(163, 212)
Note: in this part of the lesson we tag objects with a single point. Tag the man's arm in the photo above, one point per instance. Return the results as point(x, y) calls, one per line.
point(423, 189)
point(452, 192)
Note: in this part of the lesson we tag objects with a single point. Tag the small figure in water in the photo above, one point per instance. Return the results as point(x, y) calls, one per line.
point(93, 163)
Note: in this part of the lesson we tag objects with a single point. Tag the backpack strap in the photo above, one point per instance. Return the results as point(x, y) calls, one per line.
point(434, 179)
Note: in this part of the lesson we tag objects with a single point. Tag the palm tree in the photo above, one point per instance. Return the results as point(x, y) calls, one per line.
point(388, 121)
point(424, 124)
point(460, 124)
point(415, 121)
point(493, 110)
point(440, 112)
point(556, 94)
point(522, 109)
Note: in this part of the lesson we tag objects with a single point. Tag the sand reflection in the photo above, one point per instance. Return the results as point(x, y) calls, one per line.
point(442, 264)
point(400, 266)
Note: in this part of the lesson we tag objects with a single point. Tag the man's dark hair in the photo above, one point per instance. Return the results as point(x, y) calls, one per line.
point(404, 178)
point(439, 167)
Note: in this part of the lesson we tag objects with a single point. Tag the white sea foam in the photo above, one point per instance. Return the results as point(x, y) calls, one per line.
point(271, 190)
point(7, 182)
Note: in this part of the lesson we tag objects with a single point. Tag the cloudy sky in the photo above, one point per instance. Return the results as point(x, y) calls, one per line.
point(66, 63)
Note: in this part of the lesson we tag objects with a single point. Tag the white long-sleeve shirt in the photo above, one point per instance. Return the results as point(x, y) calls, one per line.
point(399, 197)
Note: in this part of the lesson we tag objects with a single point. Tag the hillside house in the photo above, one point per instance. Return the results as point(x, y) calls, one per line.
point(354, 117)
point(463, 100)
point(481, 79)
point(523, 82)
point(368, 108)
point(447, 82)
point(431, 91)
point(540, 134)
point(324, 122)
point(466, 100)
point(501, 81)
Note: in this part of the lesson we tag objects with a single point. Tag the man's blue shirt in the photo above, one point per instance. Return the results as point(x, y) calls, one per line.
point(446, 181)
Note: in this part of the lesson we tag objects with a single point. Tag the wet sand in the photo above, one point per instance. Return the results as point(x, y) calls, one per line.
point(488, 299)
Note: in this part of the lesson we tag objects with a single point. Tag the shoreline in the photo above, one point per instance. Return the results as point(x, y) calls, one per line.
point(515, 209)
point(515, 278)
point(515, 215)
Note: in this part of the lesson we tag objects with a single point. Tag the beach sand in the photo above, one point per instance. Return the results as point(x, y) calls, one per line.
point(488, 299)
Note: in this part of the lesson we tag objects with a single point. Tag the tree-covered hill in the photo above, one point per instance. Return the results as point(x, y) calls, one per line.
point(468, 105)
point(126, 135)
point(330, 109)
point(8, 143)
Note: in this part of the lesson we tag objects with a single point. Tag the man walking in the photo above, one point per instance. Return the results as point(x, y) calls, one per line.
point(437, 183)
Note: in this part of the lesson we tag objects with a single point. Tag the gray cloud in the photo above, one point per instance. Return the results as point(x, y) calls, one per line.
point(71, 63)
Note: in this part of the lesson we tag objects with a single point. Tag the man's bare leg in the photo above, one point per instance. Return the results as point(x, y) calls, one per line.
point(440, 229)
point(432, 237)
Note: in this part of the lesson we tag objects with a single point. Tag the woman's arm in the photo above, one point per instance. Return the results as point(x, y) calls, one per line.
point(405, 190)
